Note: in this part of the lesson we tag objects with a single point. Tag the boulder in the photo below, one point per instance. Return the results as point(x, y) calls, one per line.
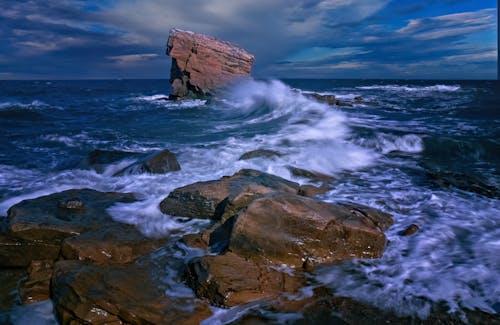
point(156, 163)
point(9, 279)
point(202, 199)
point(52, 218)
point(311, 175)
point(109, 294)
point(410, 230)
point(284, 228)
point(100, 159)
point(327, 99)
point(260, 153)
point(463, 182)
point(37, 286)
point(201, 64)
point(17, 252)
point(229, 280)
point(114, 244)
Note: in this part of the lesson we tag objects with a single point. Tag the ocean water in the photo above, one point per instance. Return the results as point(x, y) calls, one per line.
point(380, 151)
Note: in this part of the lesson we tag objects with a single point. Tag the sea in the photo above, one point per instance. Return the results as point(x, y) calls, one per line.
point(384, 152)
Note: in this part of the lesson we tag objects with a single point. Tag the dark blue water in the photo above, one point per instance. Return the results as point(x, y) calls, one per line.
point(381, 151)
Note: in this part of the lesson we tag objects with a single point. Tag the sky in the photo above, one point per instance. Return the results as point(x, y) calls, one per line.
point(403, 39)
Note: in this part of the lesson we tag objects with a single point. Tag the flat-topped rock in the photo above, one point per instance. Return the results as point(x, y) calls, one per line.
point(201, 63)
point(52, 218)
point(202, 199)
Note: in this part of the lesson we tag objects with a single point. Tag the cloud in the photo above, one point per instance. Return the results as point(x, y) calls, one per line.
point(303, 38)
point(450, 25)
point(132, 58)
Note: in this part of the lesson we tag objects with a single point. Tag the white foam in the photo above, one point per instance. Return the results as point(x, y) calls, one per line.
point(35, 104)
point(406, 88)
point(162, 100)
point(387, 143)
point(451, 259)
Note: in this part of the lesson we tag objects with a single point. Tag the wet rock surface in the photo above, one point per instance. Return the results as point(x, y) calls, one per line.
point(161, 162)
point(260, 153)
point(50, 219)
point(410, 230)
point(99, 159)
point(201, 64)
point(37, 286)
point(157, 163)
point(115, 244)
point(229, 280)
point(311, 175)
point(290, 229)
point(204, 199)
point(117, 294)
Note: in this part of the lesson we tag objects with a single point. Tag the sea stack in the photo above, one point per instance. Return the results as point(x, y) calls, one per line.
point(201, 64)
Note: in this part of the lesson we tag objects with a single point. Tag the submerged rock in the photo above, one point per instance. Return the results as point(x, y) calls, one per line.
point(327, 99)
point(98, 159)
point(155, 163)
point(410, 230)
point(464, 182)
point(201, 64)
point(260, 153)
point(117, 294)
point(312, 175)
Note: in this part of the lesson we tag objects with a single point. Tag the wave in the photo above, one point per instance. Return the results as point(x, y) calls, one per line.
point(312, 135)
point(162, 100)
point(387, 143)
point(406, 88)
point(35, 104)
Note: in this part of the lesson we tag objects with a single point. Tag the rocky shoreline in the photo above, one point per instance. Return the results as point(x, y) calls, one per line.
point(267, 235)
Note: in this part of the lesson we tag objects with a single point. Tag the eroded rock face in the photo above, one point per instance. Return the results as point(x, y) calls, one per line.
point(202, 199)
point(116, 294)
point(229, 280)
point(299, 231)
point(201, 64)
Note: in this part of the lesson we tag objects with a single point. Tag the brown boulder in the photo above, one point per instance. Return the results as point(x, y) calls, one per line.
point(202, 199)
point(410, 230)
point(17, 252)
point(156, 163)
point(54, 217)
point(259, 153)
point(327, 99)
point(37, 286)
point(9, 279)
point(201, 64)
point(311, 175)
point(299, 231)
point(119, 243)
point(117, 294)
point(229, 280)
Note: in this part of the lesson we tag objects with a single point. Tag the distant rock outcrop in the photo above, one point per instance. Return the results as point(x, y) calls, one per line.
point(201, 64)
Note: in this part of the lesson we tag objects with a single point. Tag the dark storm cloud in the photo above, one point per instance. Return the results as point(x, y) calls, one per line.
point(308, 38)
